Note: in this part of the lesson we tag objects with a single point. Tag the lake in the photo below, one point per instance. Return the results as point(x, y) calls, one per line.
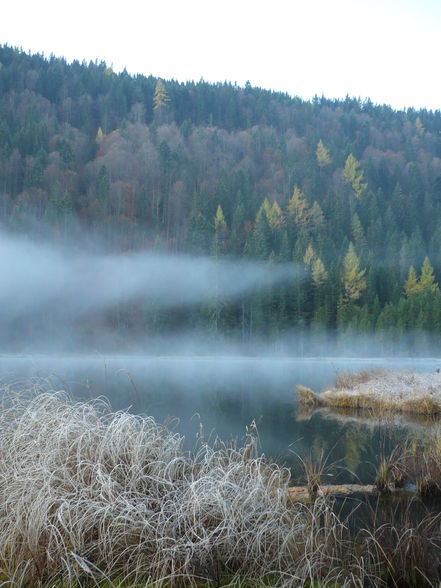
point(226, 394)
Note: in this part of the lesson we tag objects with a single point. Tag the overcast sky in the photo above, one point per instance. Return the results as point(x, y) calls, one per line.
point(387, 50)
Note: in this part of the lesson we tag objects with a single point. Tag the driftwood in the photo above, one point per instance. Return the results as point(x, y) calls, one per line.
point(303, 493)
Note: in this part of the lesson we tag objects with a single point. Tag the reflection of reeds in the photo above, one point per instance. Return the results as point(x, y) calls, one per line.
point(404, 552)
point(89, 496)
point(393, 469)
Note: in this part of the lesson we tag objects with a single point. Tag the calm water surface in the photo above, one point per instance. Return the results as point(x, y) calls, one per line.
point(226, 394)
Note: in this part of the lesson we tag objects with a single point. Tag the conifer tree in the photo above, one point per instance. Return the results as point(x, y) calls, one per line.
point(419, 126)
point(353, 277)
point(275, 217)
point(265, 209)
point(309, 256)
point(262, 233)
point(219, 220)
point(411, 285)
point(298, 208)
point(427, 279)
point(358, 234)
point(319, 274)
point(316, 217)
point(353, 175)
point(322, 154)
point(160, 97)
point(237, 229)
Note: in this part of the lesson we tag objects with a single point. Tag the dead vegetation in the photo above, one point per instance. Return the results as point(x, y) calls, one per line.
point(89, 496)
point(382, 392)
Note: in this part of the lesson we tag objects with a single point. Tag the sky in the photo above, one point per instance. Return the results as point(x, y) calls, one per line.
point(385, 50)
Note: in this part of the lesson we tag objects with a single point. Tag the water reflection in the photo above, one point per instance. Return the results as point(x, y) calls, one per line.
point(226, 394)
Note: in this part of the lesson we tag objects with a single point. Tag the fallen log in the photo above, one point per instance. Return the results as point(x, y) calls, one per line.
point(304, 494)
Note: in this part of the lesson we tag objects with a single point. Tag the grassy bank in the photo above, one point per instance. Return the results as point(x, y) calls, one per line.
point(91, 497)
point(88, 495)
point(381, 391)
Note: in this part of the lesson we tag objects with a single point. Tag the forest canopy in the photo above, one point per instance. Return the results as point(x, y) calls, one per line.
point(348, 190)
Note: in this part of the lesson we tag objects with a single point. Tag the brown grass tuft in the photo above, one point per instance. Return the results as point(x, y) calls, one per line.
point(89, 496)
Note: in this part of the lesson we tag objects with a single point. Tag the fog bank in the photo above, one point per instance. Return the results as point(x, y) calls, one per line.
point(48, 287)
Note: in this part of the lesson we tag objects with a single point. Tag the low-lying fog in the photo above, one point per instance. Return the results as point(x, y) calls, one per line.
point(224, 394)
point(49, 294)
point(57, 290)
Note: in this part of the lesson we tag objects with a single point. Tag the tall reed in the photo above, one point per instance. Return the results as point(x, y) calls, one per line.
point(90, 495)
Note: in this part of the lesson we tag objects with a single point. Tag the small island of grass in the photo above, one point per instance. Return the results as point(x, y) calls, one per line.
point(382, 391)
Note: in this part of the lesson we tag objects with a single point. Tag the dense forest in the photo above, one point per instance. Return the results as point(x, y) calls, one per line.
point(349, 191)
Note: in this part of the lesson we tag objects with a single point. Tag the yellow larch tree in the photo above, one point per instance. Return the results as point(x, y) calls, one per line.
point(319, 274)
point(353, 277)
point(99, 135)
point(219, 220)
point(298, 208)
point(322, 154)
point(275, 217)
point(411, 285)
point(309, 256)
point(353, 175)
point(160, 97)
point(427, 279)
point(419, 126)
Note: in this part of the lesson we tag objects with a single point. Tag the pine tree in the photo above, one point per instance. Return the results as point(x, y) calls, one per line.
point(358, 234)
point(262, 233)
point(102, 185)
point(316, 218)
point(238, 235)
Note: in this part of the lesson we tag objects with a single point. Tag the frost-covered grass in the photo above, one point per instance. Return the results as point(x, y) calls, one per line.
point(89, 497)
point(382, 391)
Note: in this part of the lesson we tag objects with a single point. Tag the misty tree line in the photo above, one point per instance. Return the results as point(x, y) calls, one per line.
point(348, 191)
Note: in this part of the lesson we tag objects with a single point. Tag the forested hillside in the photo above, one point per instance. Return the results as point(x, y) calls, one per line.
point(348, 190)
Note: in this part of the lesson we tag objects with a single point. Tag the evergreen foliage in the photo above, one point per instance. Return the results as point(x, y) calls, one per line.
point(216, 169)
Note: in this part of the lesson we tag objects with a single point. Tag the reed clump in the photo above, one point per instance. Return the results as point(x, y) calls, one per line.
point(88, 495)
point(404, 549)
point(425, 465)
point(382, 391)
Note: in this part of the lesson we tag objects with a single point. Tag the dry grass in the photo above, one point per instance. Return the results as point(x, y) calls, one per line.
point(380, 391)
point(405, 552)
point(350, 380)
point(90, 496)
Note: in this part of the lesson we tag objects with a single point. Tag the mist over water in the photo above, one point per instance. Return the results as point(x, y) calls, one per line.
point(57, 298)
point(224, 395)
point(52, 295)
point(60, 288)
